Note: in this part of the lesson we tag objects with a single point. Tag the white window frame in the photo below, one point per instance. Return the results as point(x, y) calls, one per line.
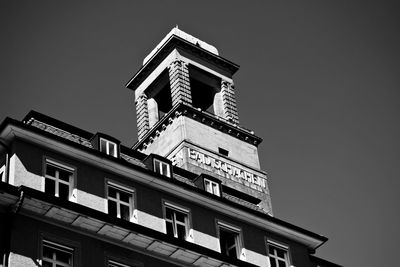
point(274, 257)
point(119, 202)
point(108, 145)
point(238, 236)
point(160, 163)
point(213, 188)
point(112, 263)
point(2, 173)
point(60, 248)
point(71, 183)
point(174, 222)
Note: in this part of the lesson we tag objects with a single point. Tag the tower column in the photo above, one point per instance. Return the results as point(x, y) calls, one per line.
point(229, 102)
point(219, 105)
point(142, 115)
point(153, 111)
point(180, 83)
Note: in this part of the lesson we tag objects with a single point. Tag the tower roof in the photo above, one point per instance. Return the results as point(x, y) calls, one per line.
point(178, 39)
point(185, 36)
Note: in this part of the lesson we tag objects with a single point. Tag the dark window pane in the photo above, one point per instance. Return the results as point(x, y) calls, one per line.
point(63, 191)
point(282, 264)
point(63, 257)
point(207, 186)
point(168, 214)
point(47, 252)
point(280, 253)
point(181, 230)
point(215, 189)
point(223, 242)
point(125, 212)
point(103, 146)
point(165, 168)
point(180, 217)
point(232, 252)
point(272, 262)
point(111, 149)
point(124, 196)
point(271, 250)
point(46, 264)
point(230, 239)
point(112, 208)
point(157, 166)
point(170, 230)
point(50, 186)
point(64, 175)
point(112, 192)
point(51, 170)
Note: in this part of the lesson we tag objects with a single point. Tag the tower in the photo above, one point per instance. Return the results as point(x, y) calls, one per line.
point(91, 201)
point(186, 111)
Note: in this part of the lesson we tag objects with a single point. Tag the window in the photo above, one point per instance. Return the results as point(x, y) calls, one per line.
point(120, 202)
point(108, 147)
point(211, 187)
point(58, 180)
point(278, 255)
point(116, 264)
point(177, 222)
point(223, 151)
point(229, 239)
point(162, 168)
point(55, 255)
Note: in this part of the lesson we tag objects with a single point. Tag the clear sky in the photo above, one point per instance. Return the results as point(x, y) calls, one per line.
point(319, 82)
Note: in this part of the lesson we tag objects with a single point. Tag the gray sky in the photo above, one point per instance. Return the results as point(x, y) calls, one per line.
point(319, 82)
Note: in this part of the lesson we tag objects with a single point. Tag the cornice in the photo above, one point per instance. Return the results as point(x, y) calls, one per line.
point(201, 116)
point(177, 42)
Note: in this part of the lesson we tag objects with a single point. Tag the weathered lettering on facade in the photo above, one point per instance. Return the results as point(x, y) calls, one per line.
point(226, 168)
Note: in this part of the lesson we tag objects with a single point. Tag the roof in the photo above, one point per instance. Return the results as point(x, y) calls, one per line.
point(185, 36)
point(179, 40)
point(70, 133)
point(57, 131)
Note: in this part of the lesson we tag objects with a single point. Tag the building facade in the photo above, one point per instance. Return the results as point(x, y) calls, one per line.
point(190, 192)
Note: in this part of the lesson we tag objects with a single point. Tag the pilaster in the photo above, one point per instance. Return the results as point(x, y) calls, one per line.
point(180, 83)
point(142, 114)
point(229, 102)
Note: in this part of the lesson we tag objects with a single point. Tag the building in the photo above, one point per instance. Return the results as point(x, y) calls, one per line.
point(190, 192)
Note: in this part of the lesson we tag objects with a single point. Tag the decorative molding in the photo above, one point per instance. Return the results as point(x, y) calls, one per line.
point(181, 109)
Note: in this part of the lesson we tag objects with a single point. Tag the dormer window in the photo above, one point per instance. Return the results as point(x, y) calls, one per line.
point(162, 168)
point(159, 165)
point(108, 147)
point(211, 187)
point(106, 144)
point(209, 184)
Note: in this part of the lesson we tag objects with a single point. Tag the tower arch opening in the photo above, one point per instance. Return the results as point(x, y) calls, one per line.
point(204, 86)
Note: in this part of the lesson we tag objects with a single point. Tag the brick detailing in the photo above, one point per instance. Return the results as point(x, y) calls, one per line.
point(142, 116)
point(179, 82)
point(229, 102)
